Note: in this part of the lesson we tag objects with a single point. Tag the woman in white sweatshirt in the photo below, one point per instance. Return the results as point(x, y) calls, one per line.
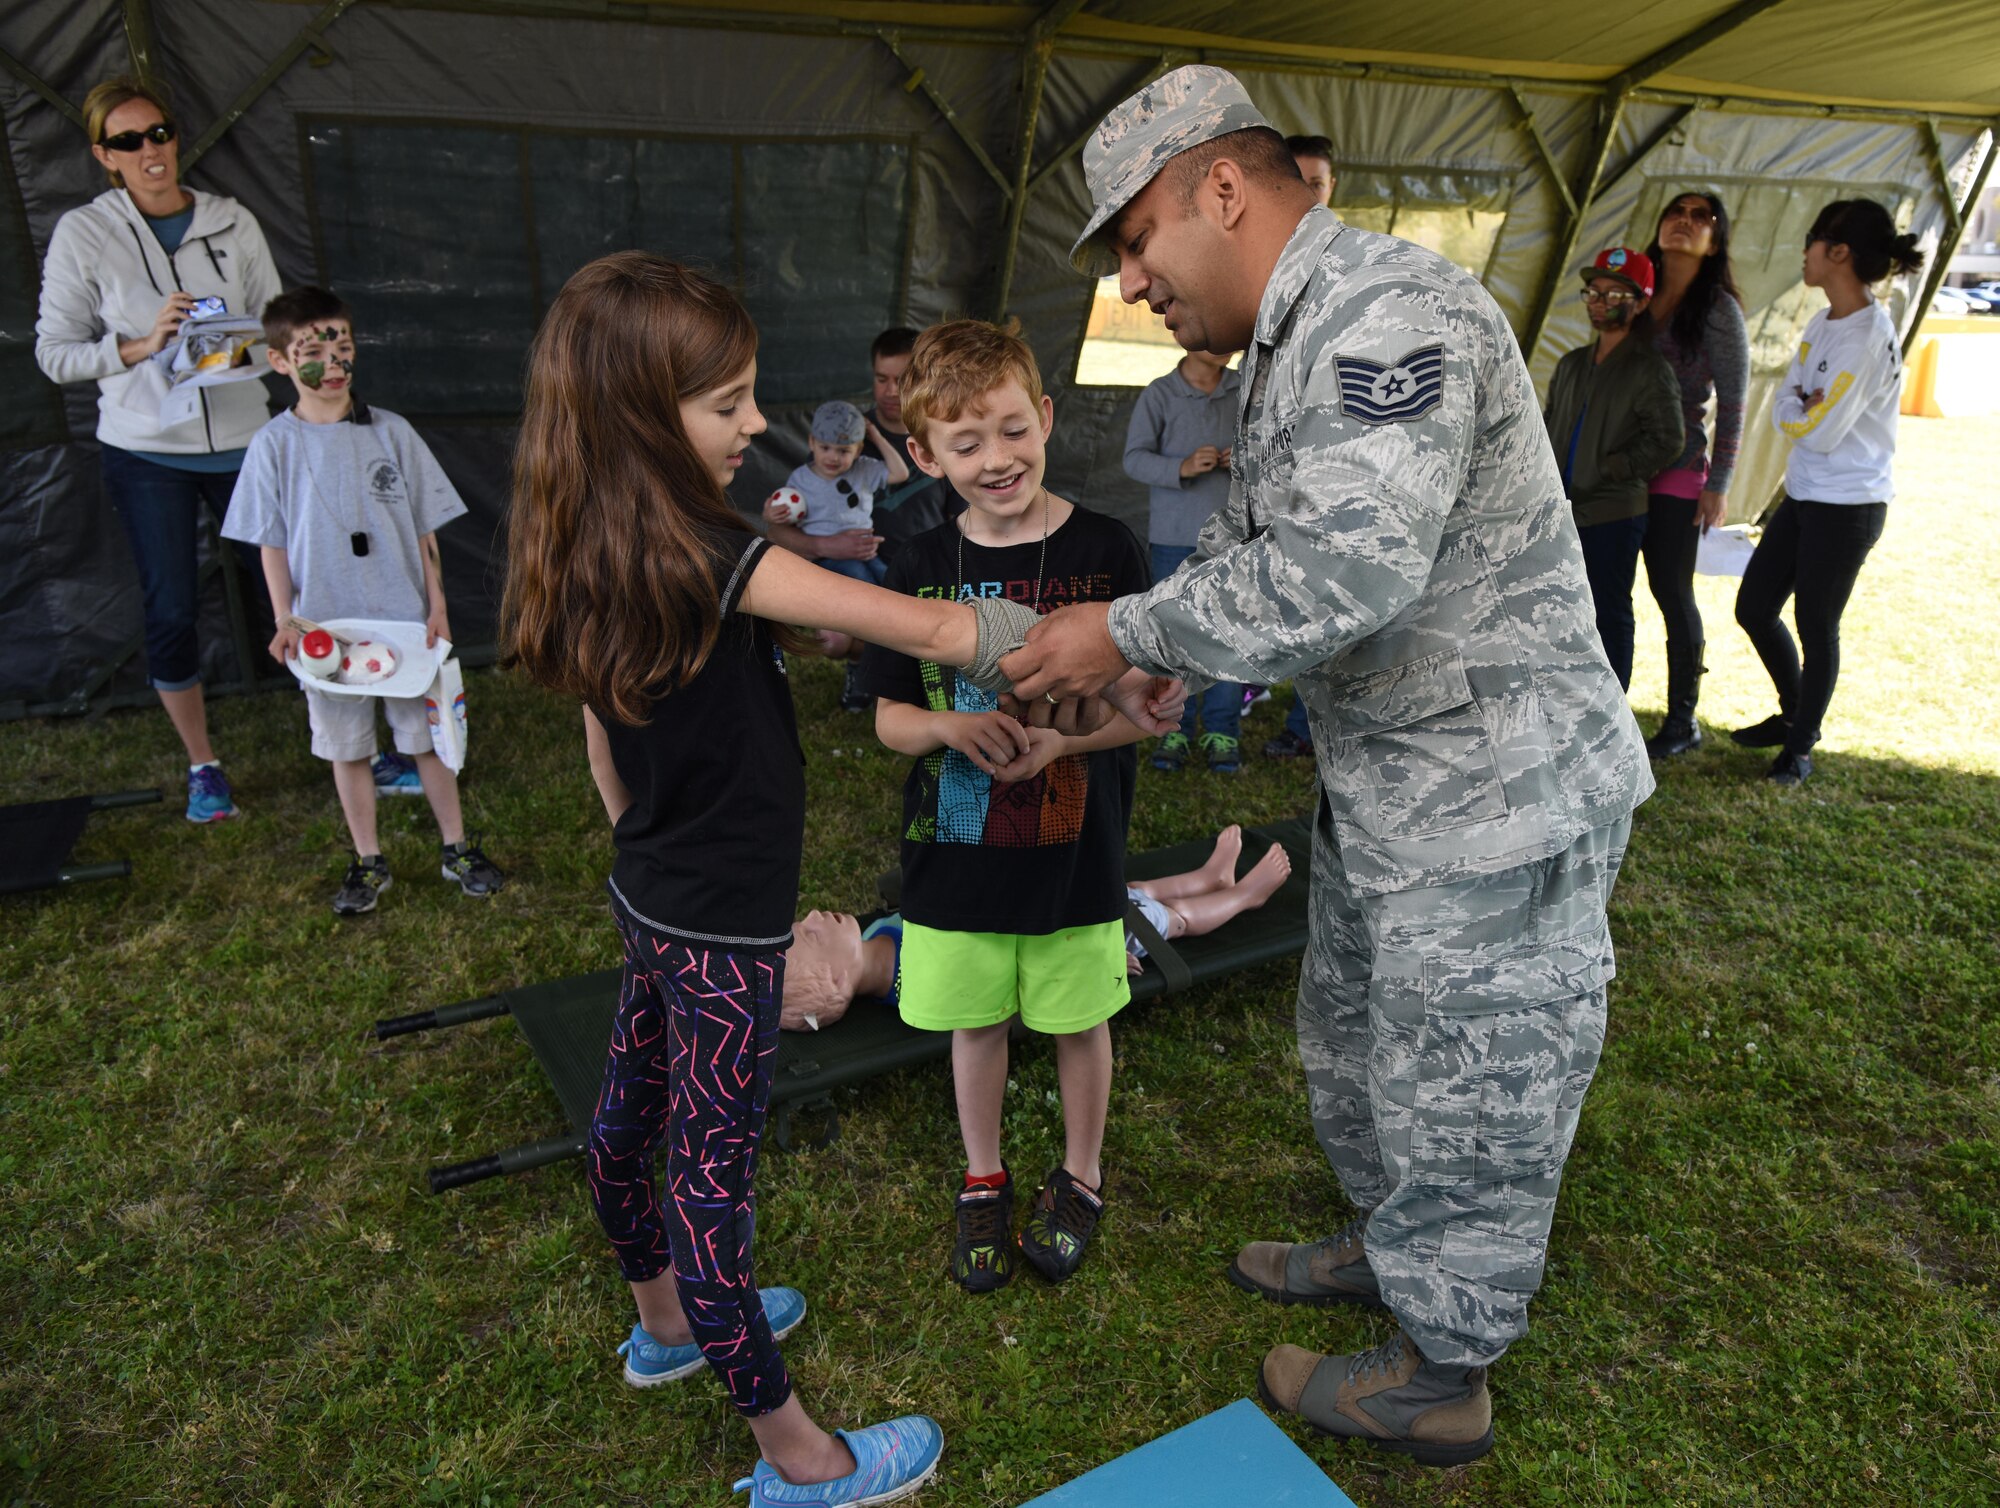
point(122, 272)
point(1838, 408)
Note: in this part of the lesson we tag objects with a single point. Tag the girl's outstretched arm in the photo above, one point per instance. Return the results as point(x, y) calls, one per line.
point(786, 589)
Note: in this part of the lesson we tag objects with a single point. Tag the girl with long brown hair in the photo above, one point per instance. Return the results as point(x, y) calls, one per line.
point(634, 586)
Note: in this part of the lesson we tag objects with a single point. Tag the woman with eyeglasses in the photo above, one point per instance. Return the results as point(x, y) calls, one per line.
point(1698, 320)
point(123, 272)
point(1838, 407)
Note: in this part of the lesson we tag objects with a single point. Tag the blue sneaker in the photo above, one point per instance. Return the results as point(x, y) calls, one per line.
point(891, 1461)
point(395, 775)
point(648, 1363)
point(891, 927)
point(209, 798)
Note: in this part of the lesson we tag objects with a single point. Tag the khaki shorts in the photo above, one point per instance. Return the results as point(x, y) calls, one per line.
point(343, 727)
point(1062, 983)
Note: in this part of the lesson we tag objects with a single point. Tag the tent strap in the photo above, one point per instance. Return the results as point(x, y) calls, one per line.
point(309, 35)
point(918, 81)
point(40, 85)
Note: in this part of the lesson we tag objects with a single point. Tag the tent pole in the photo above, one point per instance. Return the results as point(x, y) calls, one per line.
point(1035, 60)
point(1545, 299)
point(1534, 130)
point(310, 35)
point(139, 39)
point(919, 82)
point(40, 85)
point(1934, 278)
point(1165, 62)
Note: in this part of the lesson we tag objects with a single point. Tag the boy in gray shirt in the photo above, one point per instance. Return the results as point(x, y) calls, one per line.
point(1178, 445)
point(345, 501)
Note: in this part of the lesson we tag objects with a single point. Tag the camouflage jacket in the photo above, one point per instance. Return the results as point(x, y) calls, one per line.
point(1397, 541)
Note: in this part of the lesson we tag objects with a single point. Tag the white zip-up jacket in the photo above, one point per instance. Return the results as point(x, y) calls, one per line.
point(104, 281)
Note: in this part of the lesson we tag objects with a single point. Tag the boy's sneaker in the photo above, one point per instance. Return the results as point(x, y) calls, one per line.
point(1288, 745)
point(395, 775)
point(982, 1258)
point(1171, 752)
point(1224, 754)
point(209, 796)
point(852, 697)
point(649, 1362)
point(891, 1461)
point(366, 879)
point(1061, 1221)
point(471, 869)
point(1252, 695)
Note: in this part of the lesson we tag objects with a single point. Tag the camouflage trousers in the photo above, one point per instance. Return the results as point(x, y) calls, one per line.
point(1448, 1034)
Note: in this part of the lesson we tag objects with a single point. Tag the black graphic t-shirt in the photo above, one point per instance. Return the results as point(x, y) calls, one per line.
point(1045, 853)
point(708, 851)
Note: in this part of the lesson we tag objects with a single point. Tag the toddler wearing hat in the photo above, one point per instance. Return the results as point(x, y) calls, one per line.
point(839, 483)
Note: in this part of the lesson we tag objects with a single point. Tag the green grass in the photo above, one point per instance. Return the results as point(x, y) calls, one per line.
point(1773, 1269)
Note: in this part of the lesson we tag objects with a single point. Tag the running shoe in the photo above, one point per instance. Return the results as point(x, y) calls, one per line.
point(1224, 754)
point(649, 1362)
point(1171, 752)
point(1288, 745)
point(395, 775)
point(209, 796)
point(1061, 1221)
point(891, 1461)
point(366, 879)
point(470, 869)
point(982, 1258)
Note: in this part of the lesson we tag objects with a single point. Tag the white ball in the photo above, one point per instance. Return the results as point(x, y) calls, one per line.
point(366, 662)
point(785, 506)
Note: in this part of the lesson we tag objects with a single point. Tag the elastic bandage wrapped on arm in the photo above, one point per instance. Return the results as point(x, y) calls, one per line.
point(1002, 628)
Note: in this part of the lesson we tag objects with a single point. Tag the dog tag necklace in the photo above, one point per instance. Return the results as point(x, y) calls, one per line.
point(357, 541)
point(958, 590)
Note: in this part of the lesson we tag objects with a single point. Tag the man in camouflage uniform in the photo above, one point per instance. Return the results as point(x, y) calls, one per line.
point(1397, 542)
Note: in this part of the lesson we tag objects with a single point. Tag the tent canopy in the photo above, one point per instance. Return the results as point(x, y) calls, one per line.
point(446, 164)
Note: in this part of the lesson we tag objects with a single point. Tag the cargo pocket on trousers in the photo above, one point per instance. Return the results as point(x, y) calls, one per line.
point(1423, 744)
point(1509, 1045)
point(1482, 1257)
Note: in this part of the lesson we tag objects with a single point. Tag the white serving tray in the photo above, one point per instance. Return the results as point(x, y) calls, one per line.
point(416, 666)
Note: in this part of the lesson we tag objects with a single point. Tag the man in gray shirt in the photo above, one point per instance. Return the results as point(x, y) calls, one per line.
point(1179, 446)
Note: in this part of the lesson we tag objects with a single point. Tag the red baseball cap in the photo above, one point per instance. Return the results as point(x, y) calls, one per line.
point(1632, 268)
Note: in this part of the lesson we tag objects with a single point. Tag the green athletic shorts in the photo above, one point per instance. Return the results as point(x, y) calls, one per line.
point(1060, 983)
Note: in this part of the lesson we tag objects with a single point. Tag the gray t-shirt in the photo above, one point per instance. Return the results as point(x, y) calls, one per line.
point(829, 509)
point(308, 489)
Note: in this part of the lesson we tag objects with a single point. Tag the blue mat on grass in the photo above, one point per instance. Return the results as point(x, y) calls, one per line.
point(1235, 1456)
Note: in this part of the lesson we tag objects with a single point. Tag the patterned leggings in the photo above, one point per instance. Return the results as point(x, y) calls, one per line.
point(691, 1056)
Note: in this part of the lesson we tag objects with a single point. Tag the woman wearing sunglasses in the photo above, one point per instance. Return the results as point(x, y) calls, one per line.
point(1698, 317)
point(122, 273)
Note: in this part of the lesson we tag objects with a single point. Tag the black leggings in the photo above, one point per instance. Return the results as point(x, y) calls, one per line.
point(1671, 538)
point(1811, 551)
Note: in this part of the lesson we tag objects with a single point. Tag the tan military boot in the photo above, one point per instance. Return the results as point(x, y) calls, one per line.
point(1333, 1270)
point(1391, 1397)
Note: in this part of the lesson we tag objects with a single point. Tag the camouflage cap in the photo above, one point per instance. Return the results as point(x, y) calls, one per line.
point(1176, 111)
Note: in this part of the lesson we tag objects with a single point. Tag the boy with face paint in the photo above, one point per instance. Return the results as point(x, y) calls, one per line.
point(344, 501)
point(1614, 421)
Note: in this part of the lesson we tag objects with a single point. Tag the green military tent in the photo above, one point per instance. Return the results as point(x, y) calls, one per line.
point(851, 165)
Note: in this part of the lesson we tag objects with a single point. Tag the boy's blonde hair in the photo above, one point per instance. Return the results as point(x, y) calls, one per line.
point(954, 366)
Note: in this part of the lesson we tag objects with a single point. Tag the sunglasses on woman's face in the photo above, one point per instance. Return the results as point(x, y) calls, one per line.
point(131, 141)
point(1694, 214)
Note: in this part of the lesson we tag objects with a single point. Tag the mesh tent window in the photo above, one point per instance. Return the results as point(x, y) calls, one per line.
point(449, 239)
point(1457, 213)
